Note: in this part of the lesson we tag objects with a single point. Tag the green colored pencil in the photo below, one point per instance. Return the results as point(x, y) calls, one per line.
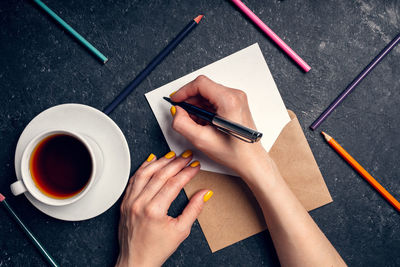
point(72, 31)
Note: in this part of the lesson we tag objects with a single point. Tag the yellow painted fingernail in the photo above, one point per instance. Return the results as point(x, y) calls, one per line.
point(208, 195)
point(173, 110)
point(172, 93)
point(187, 154)
point(170, 154)
point(151, 157)
point(195, 163)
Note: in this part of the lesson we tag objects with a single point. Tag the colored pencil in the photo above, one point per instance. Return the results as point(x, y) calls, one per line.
point(355, 82)
point(342, 152)
point(74, 33)
point(34, 240)
point(253, 17)
point(153, 64)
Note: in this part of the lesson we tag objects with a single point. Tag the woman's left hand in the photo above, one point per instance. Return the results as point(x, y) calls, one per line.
point(147, 235)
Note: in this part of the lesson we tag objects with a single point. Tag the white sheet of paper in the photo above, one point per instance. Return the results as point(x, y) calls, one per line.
point(245, 70)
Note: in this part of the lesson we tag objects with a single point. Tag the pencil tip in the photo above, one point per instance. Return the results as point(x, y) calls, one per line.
point(327, 136)
point(198, 18)
point(2, 197)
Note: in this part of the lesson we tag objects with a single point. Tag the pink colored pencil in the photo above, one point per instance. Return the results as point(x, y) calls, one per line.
point(272, 35)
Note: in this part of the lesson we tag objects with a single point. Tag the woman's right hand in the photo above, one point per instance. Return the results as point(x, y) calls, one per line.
point(228, 103)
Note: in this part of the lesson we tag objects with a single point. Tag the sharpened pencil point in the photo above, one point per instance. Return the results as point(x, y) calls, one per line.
point(198, 18)
point(2, 197)
point(327, 136)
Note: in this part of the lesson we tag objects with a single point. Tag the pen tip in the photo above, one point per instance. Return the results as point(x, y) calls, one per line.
point(198, 18)
point(167, 99)
point(2, 197)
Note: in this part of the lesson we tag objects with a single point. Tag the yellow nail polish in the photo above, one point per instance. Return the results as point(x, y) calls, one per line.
point(172, 93)
point(173, 110)
point(187, 154)
point(208, 195)
point(170, 154)
point(195, 163)
point(151, 157)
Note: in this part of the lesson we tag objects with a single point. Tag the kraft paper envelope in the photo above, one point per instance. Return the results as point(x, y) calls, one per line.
point(233, 214)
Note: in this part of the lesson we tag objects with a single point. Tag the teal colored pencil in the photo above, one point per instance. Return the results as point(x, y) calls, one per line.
point(72, 31)
point(34, 240)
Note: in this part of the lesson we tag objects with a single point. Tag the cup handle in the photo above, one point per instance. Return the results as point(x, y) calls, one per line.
point(18, 188)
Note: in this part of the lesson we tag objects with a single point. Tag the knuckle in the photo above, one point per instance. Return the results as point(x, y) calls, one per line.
point(231, 100)
point(139, 173)
point(172, 185)
point(151, 211)
point(197, 209)
point(159, 175)
point(201, 79)
point(237, 98)
point(241, 96)
point(135, 208)
point(186, 232)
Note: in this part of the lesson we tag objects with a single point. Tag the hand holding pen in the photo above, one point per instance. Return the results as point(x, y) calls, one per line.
point(224, 125)
point(230, 105)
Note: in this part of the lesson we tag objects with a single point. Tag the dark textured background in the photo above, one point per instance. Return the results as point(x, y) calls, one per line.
point(42, 66)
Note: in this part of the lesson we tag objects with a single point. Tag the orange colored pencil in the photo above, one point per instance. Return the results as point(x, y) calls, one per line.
point(339, 149)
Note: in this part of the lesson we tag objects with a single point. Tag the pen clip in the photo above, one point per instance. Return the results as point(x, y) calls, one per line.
point(247, 140)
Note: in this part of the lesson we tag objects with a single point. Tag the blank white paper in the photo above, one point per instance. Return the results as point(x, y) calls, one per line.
point(245, 70)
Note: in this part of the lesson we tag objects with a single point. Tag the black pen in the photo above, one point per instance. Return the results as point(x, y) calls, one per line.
point(224, 125)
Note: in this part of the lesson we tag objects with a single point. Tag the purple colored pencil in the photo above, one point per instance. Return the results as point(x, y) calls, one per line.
point(355, 82)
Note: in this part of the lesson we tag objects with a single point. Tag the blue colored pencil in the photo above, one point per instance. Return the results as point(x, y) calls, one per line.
point(72, 31)
point(157, 60)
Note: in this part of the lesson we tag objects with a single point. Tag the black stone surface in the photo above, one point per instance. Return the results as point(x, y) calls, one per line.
point(42, 66)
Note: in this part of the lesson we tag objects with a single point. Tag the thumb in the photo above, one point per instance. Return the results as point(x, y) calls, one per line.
point(183, 124)
point(194, 207)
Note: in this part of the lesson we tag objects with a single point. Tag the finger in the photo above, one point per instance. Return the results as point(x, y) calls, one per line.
point(162, 175)
point(194, 132)
point(151, 158)
point(198, 120)
point(143, 176)
point(202, 86)
point(200, 102)
point(193, 208)
point(174, 185)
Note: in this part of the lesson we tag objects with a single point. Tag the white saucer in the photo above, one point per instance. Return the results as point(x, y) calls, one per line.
point(99, 127)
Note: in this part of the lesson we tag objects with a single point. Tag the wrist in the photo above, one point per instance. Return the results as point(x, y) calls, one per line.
point(260, 171)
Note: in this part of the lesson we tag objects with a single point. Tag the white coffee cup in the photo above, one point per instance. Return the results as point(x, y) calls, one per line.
point(27, 184)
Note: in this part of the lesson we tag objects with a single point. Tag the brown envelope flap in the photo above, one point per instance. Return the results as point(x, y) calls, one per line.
point(303, 176)
point(233, 214)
